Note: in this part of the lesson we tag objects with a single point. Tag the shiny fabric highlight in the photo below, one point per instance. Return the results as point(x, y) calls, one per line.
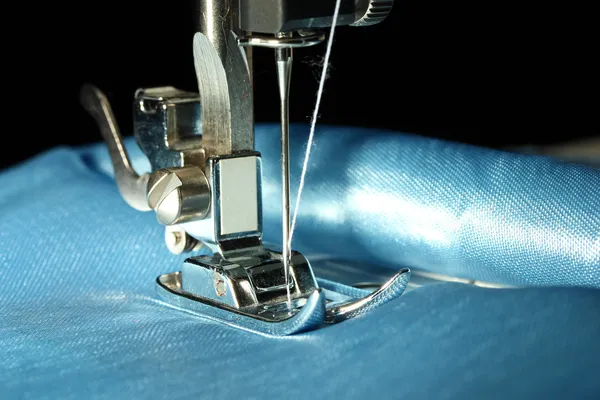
point(406, 201)
point(395, 200)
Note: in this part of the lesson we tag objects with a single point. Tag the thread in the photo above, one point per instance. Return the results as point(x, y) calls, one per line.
point(313, 121)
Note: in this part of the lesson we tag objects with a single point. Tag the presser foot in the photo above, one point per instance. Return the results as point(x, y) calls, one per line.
point(249, 293)
point(279, 320)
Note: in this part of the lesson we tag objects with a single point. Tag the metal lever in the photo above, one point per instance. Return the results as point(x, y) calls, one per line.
point(131, 185)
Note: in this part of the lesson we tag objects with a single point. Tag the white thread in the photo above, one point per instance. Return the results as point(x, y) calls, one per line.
point(314, 118)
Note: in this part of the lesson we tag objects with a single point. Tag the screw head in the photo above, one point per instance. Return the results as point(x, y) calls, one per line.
point(179, 195)
point(164, 197)
point(178, 241)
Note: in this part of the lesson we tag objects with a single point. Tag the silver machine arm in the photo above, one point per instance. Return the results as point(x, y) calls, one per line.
point(205, 180)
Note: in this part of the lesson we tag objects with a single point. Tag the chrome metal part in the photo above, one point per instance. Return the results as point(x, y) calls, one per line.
point(390, 290)
point(274, 16)
point(168, 128)
point(283, 60)
point(235, 218)
point(223, 75)
point(131, 185)
point(371, 12)
point(294, 40)
point(242, 283)
point(179, 195)
point(253, 281)
point(237, 180)
point(307, 314)
point(205, 181)
point(249, 293)
point(178, 241)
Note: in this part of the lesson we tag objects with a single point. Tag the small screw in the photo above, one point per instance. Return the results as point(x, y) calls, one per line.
point(178, 241)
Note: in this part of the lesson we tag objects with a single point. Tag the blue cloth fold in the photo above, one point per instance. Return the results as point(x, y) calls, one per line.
point(79, 317)
point(396, 200)
point(406, 201)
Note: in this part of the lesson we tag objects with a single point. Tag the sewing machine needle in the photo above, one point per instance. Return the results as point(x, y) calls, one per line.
point(283, 58)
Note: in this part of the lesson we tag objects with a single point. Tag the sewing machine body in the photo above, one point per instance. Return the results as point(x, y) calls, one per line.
point(206, 179)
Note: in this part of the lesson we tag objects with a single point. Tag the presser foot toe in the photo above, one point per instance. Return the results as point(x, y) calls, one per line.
point(341, 308)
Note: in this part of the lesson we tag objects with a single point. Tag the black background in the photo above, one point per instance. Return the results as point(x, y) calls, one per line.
point(487, 73)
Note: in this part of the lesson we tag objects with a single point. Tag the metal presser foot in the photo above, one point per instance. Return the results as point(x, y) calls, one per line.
point(205, 180)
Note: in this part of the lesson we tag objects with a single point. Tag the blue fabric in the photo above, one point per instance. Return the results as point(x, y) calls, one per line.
point(397, 201)
point(79, 318)
point(407, 201)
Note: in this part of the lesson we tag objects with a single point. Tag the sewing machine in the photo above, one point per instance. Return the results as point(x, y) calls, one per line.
point(205, 182)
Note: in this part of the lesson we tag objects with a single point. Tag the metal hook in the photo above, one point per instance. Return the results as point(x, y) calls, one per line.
point(390, 290)
point(131, 185)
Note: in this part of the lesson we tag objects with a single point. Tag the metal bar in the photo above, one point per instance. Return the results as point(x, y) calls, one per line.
point(283, 58)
